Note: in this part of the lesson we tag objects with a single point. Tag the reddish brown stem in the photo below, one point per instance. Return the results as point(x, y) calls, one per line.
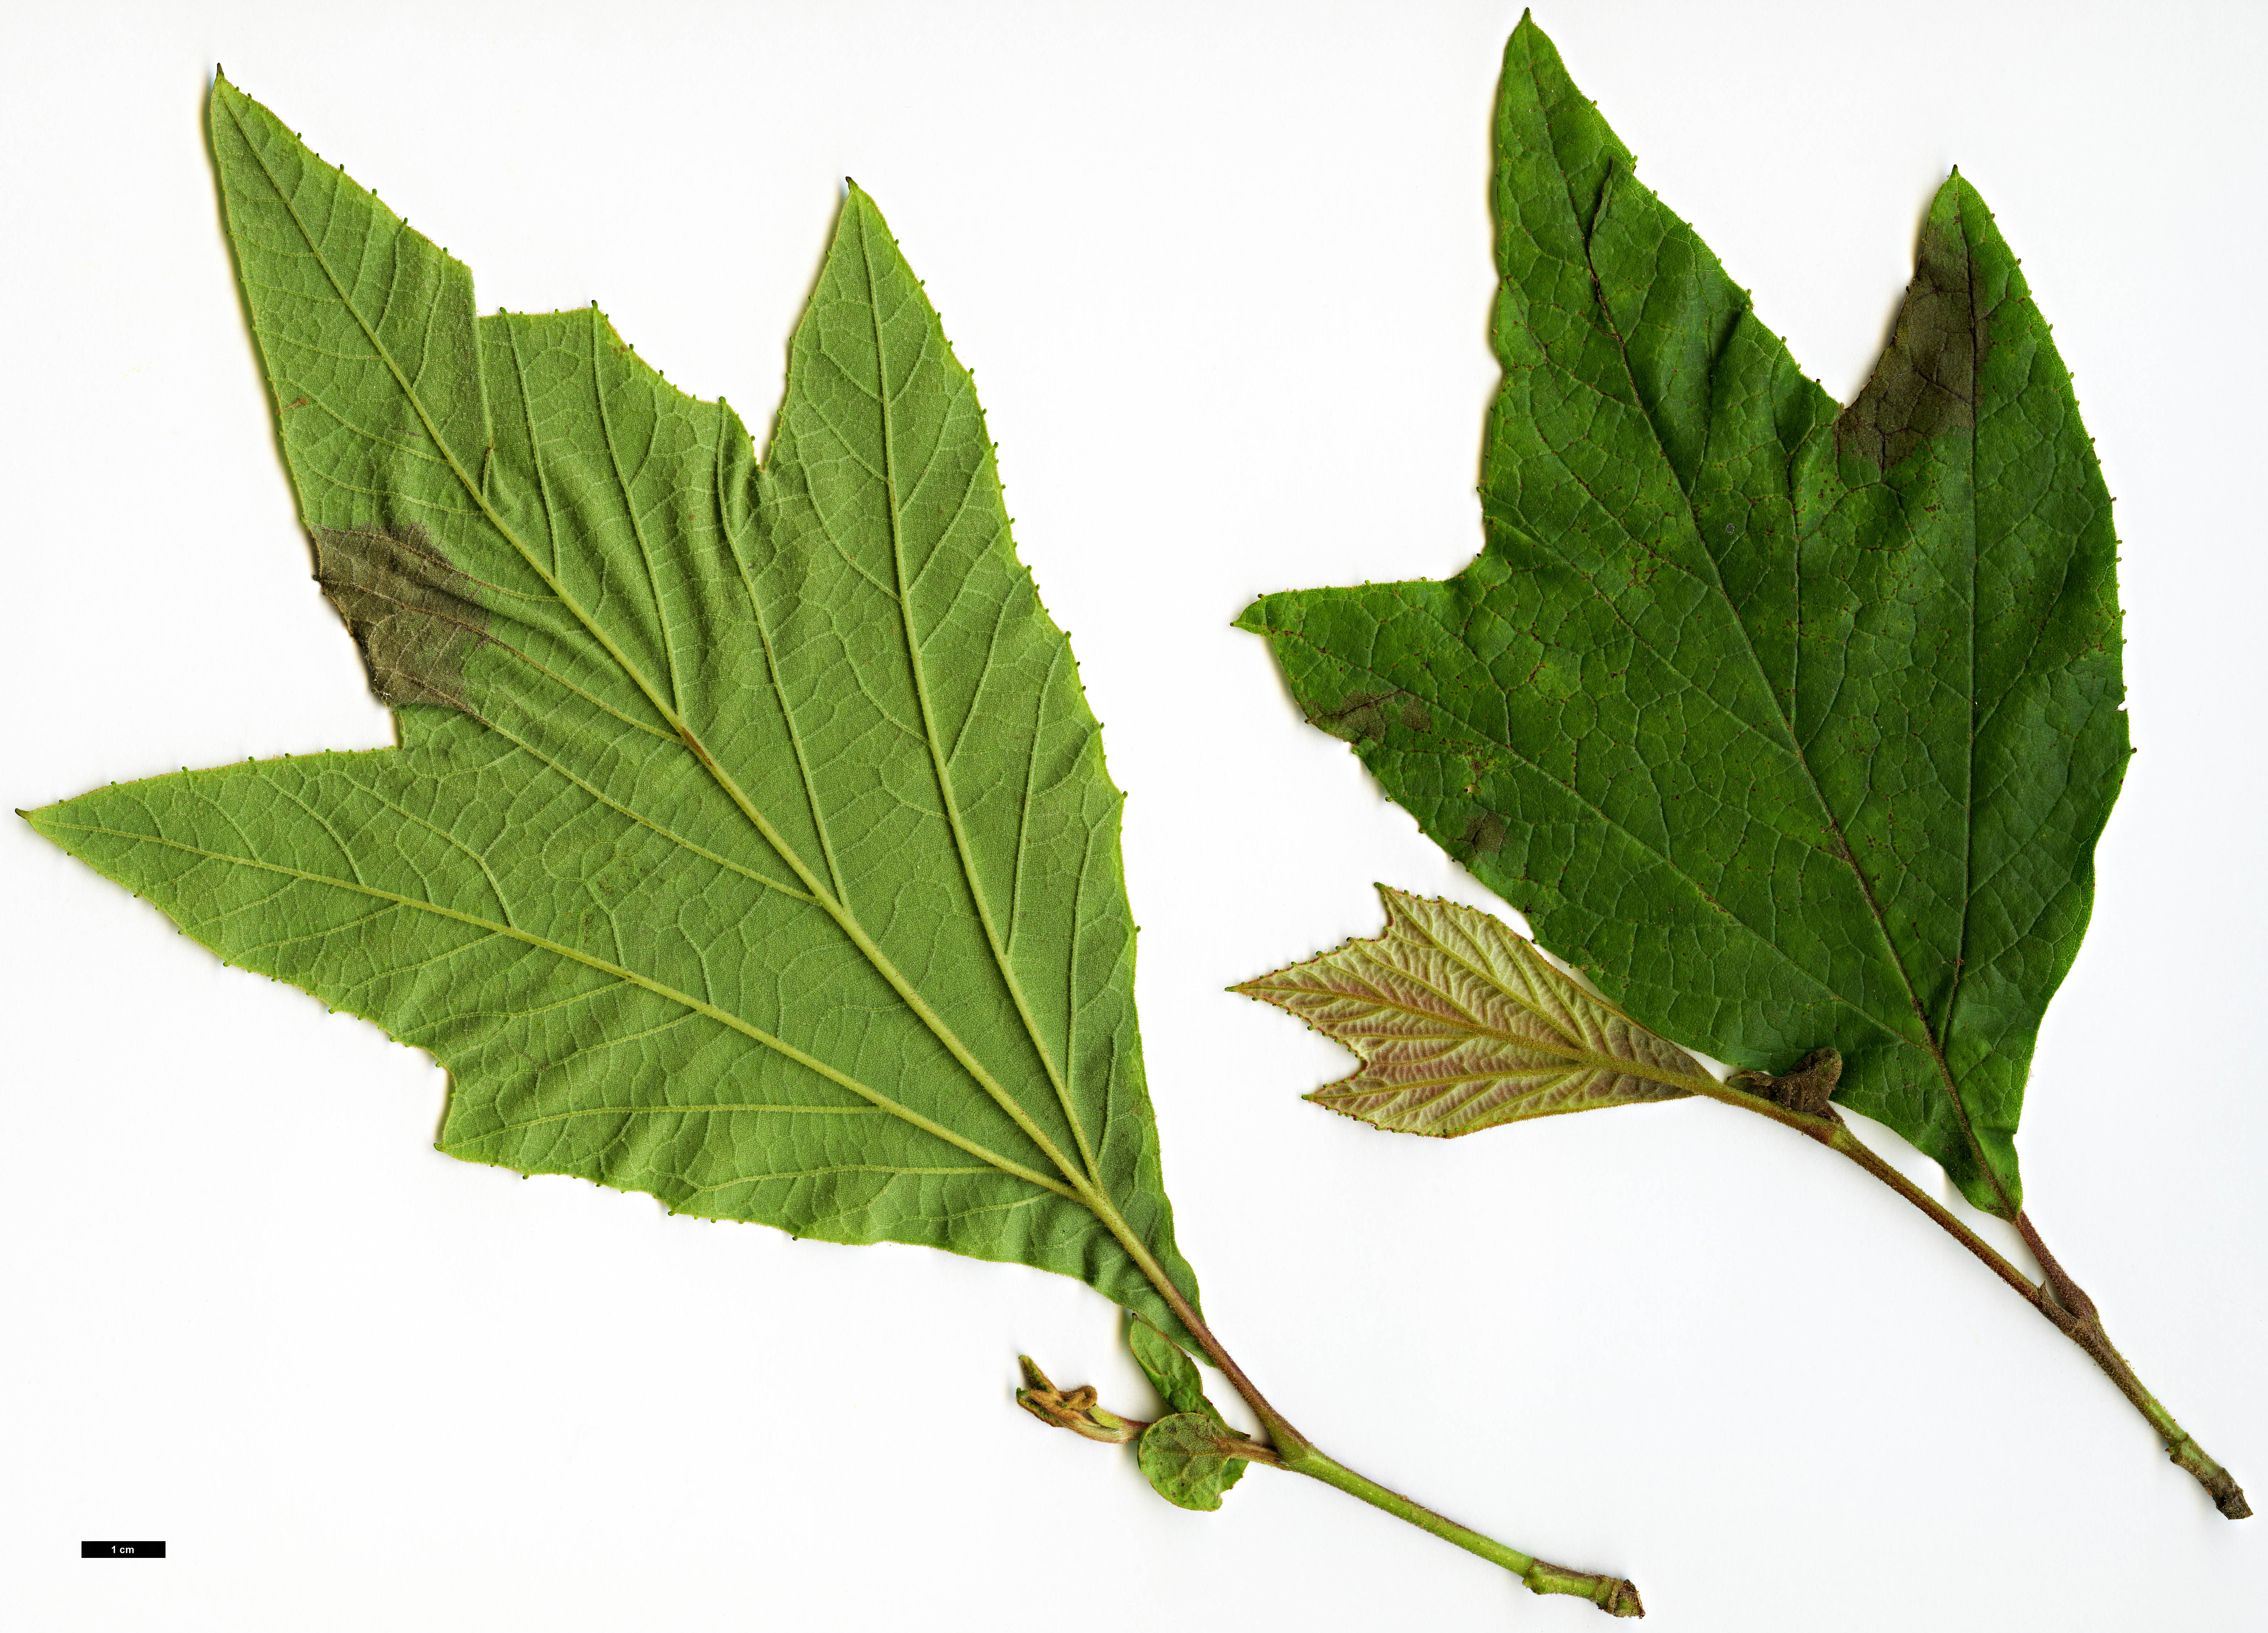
point(2063, 1302)
point(2056, 1296)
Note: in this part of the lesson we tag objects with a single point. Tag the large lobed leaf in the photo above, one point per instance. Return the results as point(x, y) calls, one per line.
point(1791, 726)
point(748, 841)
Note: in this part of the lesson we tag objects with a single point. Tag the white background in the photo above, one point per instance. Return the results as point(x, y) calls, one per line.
point(1222, 274)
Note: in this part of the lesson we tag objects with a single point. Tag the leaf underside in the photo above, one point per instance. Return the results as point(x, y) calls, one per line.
point(1462, 1024)
point(1791, 726)
point(748, 840)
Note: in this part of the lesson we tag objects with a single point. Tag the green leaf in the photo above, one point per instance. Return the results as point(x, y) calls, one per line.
point(1183, 1469)
point(1191, 1458)
point(1167, 1366)
point(748, 840)
point(1791, 727)
point(1461, 1025)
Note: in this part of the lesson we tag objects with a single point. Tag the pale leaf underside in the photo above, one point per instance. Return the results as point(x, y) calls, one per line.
point(748, 841)
point(1462, 1024)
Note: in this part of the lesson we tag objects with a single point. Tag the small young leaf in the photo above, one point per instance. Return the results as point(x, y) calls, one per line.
point(1167, 1366)
point(1191, 1458)
point(1462, 1024)
point(1075, 1409)
point(1178, 1474)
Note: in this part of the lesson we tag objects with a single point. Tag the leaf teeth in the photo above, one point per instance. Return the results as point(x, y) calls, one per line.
point(1462, 1024)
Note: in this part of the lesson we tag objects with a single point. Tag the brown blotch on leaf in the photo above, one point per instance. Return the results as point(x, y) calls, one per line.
point(410, 609)
point(1358, 718)
point(1361, 717)
point(1926, 383)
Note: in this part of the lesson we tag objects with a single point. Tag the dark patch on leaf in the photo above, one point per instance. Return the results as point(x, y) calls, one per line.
point(1358, 718)
point(410, 611)
point(1484, 834)
point(1926, 383)
point(1362, 717)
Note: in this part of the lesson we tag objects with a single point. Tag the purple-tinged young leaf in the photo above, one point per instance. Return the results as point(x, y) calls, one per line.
point(1462, 1024)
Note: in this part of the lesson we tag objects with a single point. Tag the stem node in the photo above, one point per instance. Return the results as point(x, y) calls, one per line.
point(1612, 1594)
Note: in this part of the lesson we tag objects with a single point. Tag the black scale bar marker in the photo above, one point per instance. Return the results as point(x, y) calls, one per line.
point(121, 1551)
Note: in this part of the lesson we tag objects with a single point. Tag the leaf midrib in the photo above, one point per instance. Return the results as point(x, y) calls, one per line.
point(931, 738)
point(1933, 1045)
point(1479, 1080)
point(1715, 583)
point(1968, 786)
point(1580, 1053)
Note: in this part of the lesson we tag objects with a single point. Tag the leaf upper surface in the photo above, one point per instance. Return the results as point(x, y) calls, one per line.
point(1791, 727)
point(1462, 1024)
point(1191, 1459)
point(748, 840)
